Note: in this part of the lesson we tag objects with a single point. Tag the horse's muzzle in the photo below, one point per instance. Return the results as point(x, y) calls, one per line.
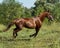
point(51, 18)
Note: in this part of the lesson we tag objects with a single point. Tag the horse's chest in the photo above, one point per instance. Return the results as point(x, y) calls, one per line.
point(38, 23)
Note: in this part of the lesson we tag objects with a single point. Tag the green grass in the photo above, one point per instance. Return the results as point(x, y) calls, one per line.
point(48, 37)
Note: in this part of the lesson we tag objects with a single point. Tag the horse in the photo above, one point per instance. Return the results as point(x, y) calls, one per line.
point(31, 23)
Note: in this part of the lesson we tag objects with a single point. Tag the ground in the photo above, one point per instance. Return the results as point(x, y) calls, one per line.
point(48, 37)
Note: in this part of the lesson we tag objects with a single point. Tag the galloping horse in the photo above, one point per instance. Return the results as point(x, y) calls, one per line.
point(32, 23)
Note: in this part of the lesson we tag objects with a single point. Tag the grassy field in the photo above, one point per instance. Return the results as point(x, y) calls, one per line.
point(48, 37)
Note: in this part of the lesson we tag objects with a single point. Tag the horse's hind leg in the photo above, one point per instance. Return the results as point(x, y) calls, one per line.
point(15, 32)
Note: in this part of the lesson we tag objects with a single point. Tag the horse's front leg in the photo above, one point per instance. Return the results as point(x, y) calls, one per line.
point(37, 30)
point(35, 34)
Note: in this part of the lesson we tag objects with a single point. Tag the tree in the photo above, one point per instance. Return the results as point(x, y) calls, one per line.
point(10, 9)
point(52, 1)
point(39, 7)
point(56, 12)
point(26, 13)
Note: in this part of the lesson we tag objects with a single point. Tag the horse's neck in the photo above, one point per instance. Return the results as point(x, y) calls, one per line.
point(42, 17)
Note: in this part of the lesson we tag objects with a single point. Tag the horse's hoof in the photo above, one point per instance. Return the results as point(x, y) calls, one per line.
point(30, 35)
point(14, 37)
point(34, 36)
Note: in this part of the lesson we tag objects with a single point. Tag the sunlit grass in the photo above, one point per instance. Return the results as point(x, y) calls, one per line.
point(48, 37)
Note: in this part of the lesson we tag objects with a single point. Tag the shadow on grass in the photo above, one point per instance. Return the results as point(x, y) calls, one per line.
point(11, 39)
point(1, 31)
point(22, 39)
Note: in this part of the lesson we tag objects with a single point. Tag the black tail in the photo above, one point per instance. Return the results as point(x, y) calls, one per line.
point(8, 27)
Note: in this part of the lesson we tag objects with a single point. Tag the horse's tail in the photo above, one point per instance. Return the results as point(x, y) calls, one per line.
point(8, 27)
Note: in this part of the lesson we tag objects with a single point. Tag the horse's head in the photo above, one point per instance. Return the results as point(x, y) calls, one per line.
point(49, 16)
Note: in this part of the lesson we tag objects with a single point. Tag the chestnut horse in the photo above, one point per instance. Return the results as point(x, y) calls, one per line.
point(32, 23)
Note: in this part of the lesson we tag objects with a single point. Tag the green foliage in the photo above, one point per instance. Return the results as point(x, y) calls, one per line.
point(39, 7)
point(10, 9)
point(56, 12)
point(53, 1)
point(26, 13)
point(52, 5)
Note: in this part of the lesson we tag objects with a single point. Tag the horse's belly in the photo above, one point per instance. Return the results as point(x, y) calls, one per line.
point(30, 25)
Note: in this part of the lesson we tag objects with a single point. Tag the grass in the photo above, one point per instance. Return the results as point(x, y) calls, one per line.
point(48, 37)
